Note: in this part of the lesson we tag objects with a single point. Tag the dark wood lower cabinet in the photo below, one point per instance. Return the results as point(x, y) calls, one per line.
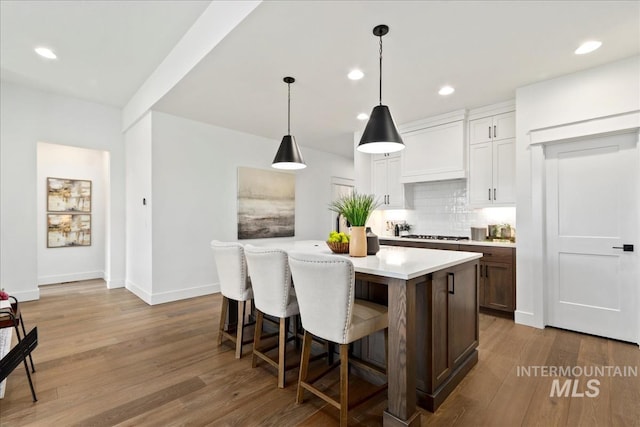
point(446, 329)
point(448, 308)
point(497, 272)
point(496, 282)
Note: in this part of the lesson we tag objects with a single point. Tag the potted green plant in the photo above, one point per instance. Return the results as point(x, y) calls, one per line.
point(356, 209)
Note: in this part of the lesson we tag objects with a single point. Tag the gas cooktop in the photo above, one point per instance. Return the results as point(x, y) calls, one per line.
point(434, 237)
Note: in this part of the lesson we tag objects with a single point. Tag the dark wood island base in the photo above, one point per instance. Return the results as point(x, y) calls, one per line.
point(440, 334)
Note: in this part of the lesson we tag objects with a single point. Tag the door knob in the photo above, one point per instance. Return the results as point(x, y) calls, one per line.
point(625, 248)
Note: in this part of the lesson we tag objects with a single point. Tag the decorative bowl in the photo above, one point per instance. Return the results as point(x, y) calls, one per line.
point(339, 248)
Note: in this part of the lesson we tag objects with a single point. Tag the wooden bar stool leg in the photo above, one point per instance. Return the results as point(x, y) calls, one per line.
point(256, 338)
point(304, 365)
point(223, 317)
point(239, 335)
point(282, 347)
point(344, 384)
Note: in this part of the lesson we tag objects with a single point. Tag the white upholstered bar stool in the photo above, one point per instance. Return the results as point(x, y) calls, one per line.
point(325, 287)
point(273, 296)
point(234, 285)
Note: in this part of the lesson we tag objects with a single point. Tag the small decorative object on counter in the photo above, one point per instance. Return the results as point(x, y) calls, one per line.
point(479, 234)
point(3, 295)
point(338, 242)
point(373, 244)
point(404, 228)
point(396, 231)
point(502, 232)
point(356, 208)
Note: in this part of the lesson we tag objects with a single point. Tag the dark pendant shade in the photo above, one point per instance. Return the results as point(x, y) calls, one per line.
point(288, 155)
point(380, 135)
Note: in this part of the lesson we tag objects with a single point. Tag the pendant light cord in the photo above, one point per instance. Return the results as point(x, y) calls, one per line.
point(289, 109)
point(380, 98)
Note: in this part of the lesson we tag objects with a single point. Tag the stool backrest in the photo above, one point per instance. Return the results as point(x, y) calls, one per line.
point(270, 279)
point(232, 270)
point(325, 286)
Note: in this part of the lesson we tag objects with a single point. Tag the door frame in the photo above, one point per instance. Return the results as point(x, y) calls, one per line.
point(346, 182)
point(538, 140)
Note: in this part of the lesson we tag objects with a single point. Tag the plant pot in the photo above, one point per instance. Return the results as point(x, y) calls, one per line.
point(358, 242)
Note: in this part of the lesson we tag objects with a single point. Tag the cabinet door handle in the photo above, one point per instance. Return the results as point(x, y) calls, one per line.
point(489, 194)
point(486, 271)
point(489, 132)
point(451, 283)
point(495, 131)
point(389, 199)
point(494, 194)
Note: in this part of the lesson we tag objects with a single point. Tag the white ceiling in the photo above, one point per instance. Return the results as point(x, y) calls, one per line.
point(485, 49)
point(106, 49)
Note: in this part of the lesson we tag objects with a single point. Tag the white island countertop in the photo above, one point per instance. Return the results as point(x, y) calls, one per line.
point(392, 261)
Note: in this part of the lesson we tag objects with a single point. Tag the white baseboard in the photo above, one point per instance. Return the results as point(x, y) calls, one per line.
point(174, 295)
point(113, 284)
point(527, 319)
point(71, 277)
point(138, 291)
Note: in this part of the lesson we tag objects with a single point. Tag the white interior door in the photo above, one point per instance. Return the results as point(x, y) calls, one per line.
point(592, 209)
point(340, 187)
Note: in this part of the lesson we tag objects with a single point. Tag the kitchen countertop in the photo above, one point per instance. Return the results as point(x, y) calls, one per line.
point(452, 242)
point(392, 261)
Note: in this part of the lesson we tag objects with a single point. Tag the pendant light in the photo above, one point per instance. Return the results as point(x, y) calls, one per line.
point(288, 155)
point(380, 135)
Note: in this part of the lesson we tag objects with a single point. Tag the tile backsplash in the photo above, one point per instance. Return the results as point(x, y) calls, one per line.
point(441, 208)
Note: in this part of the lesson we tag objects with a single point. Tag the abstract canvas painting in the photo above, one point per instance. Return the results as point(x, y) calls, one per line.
point(65, 230)
point(266, 203)
point(68, 195)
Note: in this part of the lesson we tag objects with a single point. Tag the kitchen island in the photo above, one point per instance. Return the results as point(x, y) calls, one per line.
point(432, 297)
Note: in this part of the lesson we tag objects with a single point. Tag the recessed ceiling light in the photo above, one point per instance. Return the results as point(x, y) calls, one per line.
point(446, 90)
point(355, 74)
point(45, 52)
point(363, 116)
point(588, 47)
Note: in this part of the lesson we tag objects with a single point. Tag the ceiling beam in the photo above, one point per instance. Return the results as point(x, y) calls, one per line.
point(218, 20)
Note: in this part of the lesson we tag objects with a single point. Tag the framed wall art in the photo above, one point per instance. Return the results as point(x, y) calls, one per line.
point(68, 195)
point(266, 203)
point(66, 230)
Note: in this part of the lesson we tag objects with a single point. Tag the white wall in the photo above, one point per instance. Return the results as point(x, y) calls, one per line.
point(56, 265)
point(139, 225)
point(28, 116)
point(195, 198)
point(582, 99)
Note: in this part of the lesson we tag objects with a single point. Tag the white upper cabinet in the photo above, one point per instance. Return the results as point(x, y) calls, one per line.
point(385, 181)
point(492, 128)
point(492, 160)
point(435, 149)
point(492, 173)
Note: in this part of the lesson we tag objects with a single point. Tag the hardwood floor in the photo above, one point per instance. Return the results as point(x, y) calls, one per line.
point(107, 358)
